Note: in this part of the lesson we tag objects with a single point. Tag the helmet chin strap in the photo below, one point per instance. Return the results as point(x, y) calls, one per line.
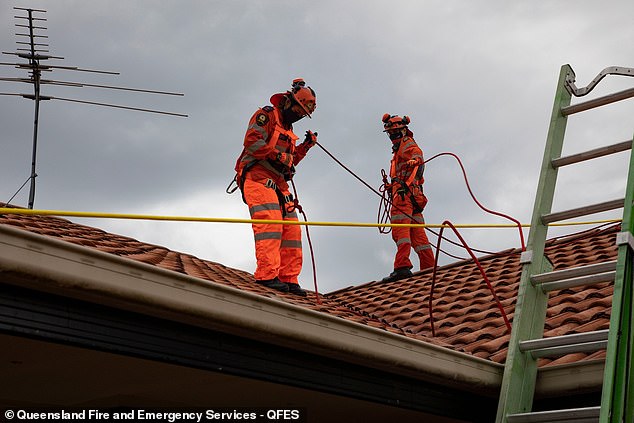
point(395, 136)
point(289, 116)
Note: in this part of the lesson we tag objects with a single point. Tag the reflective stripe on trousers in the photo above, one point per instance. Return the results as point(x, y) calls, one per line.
point(406, 238)
point(278, 248)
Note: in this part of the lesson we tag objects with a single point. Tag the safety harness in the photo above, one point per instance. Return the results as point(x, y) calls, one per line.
point(404, 187)
point(287, 138)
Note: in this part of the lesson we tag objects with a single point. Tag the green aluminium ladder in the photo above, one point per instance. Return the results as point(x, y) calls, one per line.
point(527, 343)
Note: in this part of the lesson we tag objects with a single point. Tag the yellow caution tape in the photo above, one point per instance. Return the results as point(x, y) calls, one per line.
point(283, 222)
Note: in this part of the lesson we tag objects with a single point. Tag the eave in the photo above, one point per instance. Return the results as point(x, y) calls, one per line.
point(49, 265)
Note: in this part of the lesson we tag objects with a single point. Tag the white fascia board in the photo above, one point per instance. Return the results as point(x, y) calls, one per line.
point(49, 264)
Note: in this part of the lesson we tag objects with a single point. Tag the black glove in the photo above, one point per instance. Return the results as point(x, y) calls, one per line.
point(310, 139)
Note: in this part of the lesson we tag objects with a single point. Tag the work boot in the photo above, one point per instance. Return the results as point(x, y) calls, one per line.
point(274, 283)
point(294, 288)
point(398, 274)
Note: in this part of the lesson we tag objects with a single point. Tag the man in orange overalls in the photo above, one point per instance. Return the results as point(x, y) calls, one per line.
point(408, 200)
point(263, 169)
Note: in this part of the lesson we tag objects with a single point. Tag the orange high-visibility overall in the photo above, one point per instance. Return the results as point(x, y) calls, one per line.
point(266, 163)
point(408, 201)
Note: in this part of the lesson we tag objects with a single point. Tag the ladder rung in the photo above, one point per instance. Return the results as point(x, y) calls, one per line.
point(570, 349)
point(583, 211)
point(578, 281)
point(562, 340)
point(597, 102)
point(573, 272)
point(576, 276)
point(566, 344)
point(576, 415)
point(592, 154)
point(547, 419)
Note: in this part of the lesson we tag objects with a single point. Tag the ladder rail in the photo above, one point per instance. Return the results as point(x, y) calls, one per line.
point(617, 397)
point(520, 369)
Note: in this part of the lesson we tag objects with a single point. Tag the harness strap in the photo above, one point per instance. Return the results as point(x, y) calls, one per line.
point(412, 176)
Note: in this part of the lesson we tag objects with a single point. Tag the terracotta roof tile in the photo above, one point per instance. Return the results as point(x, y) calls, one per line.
point(466, 318)
point(465, 313)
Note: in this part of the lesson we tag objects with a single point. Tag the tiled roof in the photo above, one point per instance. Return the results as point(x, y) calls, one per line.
point(465, 313)
point(466, 318)
point(164, 258)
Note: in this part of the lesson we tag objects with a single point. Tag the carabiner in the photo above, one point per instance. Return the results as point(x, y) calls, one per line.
point(230, 190)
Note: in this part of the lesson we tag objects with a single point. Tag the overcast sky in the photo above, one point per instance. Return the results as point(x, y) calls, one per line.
point(477, 79)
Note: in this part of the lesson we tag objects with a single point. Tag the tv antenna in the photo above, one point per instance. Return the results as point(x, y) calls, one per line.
point(35, 51)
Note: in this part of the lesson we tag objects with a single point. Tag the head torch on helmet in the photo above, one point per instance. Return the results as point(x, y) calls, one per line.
point(394, 122)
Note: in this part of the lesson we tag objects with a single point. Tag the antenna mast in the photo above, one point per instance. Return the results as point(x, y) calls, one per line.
point(36, 73)
point(34, 52)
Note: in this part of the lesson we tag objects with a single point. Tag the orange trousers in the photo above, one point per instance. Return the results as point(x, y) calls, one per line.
point(406, 238)
point(278, 248)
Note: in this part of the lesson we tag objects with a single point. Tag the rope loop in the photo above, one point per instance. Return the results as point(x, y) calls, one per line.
point(385, 205)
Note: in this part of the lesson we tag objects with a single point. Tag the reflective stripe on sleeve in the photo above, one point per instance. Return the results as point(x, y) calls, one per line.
point(257, 128)
point(408, 144)
point(256, 146)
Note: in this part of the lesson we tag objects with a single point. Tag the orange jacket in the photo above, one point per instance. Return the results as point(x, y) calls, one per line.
point(269, 149)
point(407, 164)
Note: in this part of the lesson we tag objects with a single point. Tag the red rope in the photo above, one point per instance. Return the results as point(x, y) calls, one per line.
point(464, 174)
point(477, 262)
point(298, 207)
point(386, 204)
